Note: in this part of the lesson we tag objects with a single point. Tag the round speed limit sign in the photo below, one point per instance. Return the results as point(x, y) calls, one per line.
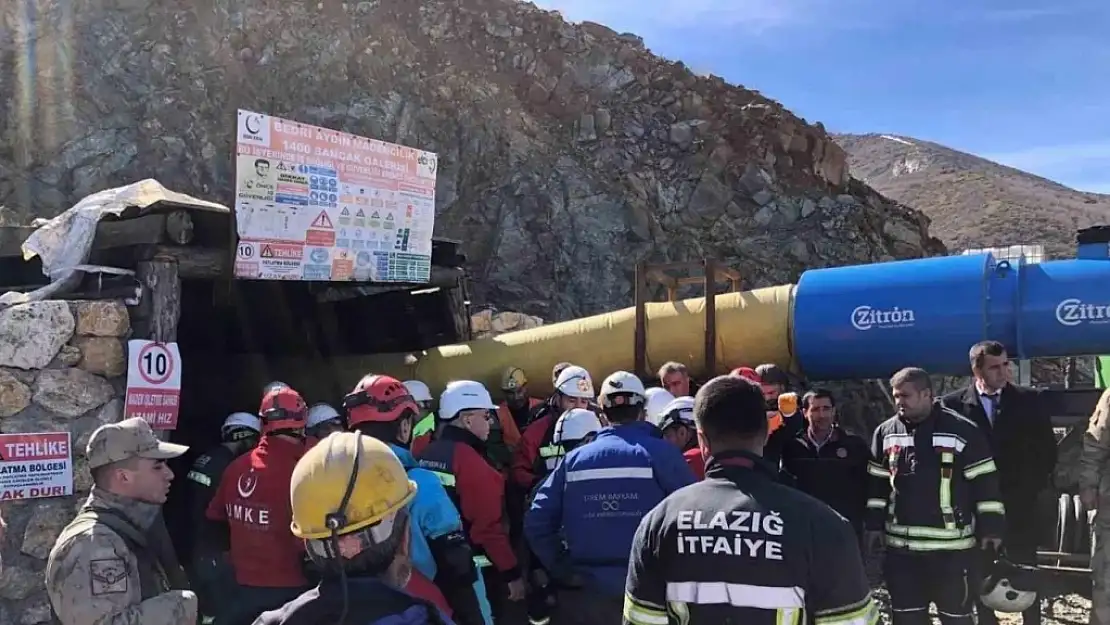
point(156, 364)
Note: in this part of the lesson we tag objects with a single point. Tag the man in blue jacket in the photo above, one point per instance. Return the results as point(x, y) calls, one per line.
point(585, 513)
point(381, 407)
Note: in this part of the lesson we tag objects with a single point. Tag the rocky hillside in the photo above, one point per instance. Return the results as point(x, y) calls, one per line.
point(973, 202)
point(568, 151)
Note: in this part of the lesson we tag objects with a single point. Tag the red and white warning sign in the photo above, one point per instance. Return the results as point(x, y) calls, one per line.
point(153, 383)
point(35, 465)
point(323, 221)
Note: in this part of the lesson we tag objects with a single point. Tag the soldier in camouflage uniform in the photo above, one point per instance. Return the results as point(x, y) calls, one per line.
point(1094, 490)
point(111, 565)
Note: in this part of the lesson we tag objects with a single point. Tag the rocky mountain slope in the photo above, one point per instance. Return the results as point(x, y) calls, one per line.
point(567, 151)
point(971, 201)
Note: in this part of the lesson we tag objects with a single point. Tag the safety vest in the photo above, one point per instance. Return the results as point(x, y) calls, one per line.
point(426, 425)
point(439, 458)
point(549, 453)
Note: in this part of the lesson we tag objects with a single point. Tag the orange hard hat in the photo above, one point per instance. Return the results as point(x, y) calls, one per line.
point(282, 409)
point(747, 373)
point(380, 399)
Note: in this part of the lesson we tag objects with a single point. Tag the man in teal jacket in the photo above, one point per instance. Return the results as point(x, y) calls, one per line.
point(381, 407)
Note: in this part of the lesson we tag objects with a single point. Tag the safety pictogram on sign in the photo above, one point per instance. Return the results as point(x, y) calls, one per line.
point(267, 251)
point(322, 221)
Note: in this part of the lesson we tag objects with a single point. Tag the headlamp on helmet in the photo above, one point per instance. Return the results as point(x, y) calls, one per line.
point(678, 412)
point(622, 389)
point(283, 410)
point(379, 398)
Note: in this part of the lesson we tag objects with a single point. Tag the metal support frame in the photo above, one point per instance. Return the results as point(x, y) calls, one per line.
point(711, 274)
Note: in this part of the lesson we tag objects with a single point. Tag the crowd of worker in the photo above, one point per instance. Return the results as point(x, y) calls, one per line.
point(742, 501)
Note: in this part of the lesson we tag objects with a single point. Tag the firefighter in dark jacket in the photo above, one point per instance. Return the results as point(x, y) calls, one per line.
point(827, 462)
point(457, 457)
point(933, 499)
point(1020, 433)
point(209, 569)
point(739, 547)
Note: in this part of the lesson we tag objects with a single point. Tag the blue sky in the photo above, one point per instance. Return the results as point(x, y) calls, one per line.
point(1020, 82)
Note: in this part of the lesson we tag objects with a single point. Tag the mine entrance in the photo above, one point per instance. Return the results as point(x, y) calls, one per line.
point(237, 336)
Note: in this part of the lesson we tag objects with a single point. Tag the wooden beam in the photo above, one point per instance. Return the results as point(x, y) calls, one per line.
point(193, 263)
point(160, 308)
point(175, 226)
point(710, 317)
point(639, 346)
point(145, 230)
point(162, 293)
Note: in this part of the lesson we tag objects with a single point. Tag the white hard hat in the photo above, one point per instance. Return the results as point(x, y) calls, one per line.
point(464, 395)
point(679, 411)
point(241, 420)
point(319, 413)
point(657, 399)
point(575, 425)
point(1009, 587)
point(574, 381)
point(418, 390)
point(621, 383)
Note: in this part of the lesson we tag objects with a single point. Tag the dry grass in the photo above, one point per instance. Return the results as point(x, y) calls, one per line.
point(971, 201)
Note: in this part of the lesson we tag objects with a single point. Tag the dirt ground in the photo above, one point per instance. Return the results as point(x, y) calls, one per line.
point(1064, 607)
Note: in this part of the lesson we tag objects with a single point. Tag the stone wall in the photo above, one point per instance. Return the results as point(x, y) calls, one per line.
point(62, 367)
point(490, 322)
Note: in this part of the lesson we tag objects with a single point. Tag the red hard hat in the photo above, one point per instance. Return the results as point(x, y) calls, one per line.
point(747, 373)
point(282, 409)
point(378, 398)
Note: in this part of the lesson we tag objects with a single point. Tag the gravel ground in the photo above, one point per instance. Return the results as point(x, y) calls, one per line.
point(1070, 609)
point(1065, 607)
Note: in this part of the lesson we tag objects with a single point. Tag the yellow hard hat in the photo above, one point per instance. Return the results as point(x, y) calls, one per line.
point(324, 474)
point(513, 378)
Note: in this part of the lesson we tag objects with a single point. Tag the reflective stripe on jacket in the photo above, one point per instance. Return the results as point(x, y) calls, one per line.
point(595, 498)
point(478, 492)
point(739, 547)
point(933, 485)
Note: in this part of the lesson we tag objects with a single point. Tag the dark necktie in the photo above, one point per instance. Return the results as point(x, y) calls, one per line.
point(996, 404)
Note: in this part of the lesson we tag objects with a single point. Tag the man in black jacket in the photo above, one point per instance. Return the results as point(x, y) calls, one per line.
point(739, 547)
point(827, 462)
point(1019, 431)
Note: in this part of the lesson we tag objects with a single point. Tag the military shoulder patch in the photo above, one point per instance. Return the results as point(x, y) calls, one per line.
point(108, 576)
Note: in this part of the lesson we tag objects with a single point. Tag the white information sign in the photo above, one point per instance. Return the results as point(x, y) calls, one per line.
point(317, 204)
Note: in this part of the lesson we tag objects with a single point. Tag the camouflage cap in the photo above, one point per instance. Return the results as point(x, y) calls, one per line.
point(130, 438)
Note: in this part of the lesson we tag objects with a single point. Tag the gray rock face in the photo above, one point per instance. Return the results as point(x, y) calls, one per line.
point(567, 151)
point(71, 392)
point(53, 397)
point(14, 394)
point(33, 333)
